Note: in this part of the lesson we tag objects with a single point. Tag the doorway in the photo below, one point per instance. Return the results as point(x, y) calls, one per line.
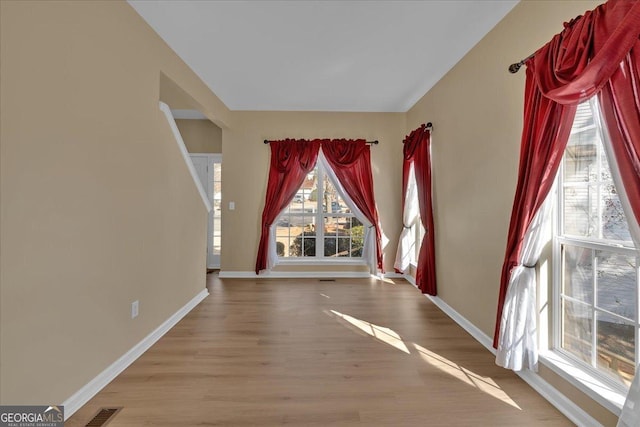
point(209, 169)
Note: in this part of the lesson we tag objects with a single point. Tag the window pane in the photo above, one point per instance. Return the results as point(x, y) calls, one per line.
point(617, 283)
point(309, 246)
point(283, 241)
point(343, 226)
point(578, 273)
point(309, 189)
point(357, 238)
point(576, 329)
point(331, 231)
point(344, 247)
point(614, 222)
point(580, 161)
point(333, 203)
point(581, 210)
point(217, 226)
point(616, 346)
point(301, 242)
point(330, 244)
point(344, 236)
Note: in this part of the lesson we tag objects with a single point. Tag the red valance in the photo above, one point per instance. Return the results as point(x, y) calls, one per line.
point(577, 63)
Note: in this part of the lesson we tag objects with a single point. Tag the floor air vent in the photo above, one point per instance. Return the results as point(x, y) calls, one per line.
point(326, 280)
point(103, 417)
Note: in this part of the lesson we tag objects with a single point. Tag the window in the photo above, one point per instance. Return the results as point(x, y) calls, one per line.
point(417, 230)
point(596, 266)
point(318, 224)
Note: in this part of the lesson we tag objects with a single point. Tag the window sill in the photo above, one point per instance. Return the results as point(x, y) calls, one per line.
point(317, 261)
point(606, 395)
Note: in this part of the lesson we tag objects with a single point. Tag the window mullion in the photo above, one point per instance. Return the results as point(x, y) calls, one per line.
point(558, 262)
point(594, 322)
point(320, 213)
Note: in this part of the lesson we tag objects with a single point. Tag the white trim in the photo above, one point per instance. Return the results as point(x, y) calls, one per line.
point(311, 261)
point(89, 390)
point(590, 385)
point(215, 156)
point(188, 115)
point(185, 154)
point(569, 409)
point(393, 275)
point(472, 329)
point(562, 403)
point(409, 278)
point(295, 274)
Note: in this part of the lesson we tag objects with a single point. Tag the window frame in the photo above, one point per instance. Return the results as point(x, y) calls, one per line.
point(319, 221)
point(587, 377)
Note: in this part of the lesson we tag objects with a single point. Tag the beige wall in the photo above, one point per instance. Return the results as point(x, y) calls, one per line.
point(98, 208)
point(200, 136)
point(477, 113)
point(245, 153)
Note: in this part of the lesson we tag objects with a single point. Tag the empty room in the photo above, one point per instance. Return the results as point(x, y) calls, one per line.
point(319, 213)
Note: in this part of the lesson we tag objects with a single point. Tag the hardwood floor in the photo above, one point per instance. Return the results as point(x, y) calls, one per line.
point(307, 352)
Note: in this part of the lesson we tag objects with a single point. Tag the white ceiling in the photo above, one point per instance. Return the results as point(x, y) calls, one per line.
point(322, 55)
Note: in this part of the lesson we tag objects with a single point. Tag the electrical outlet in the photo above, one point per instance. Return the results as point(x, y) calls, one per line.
point(134, 309)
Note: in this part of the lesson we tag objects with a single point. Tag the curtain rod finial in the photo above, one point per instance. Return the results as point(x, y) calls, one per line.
point(266, 141)
point(514, 68)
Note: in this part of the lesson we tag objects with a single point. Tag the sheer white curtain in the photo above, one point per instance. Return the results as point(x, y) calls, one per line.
point(630, 416)
point(272, 251)
point(517, 344)
point(369, 250)
point(410, 216)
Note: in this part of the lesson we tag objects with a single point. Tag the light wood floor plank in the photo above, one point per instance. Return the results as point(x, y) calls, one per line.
point(354, 352)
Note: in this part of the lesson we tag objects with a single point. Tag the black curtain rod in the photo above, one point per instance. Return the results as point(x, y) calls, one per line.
point(514, 68)
point(266, 141)
point(427, 126)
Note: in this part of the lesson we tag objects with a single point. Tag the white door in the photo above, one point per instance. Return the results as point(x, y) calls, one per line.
point(209, 169)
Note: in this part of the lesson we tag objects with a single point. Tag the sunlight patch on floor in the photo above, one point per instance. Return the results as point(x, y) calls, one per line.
point(484, 384)
point(389, 336)
point(383, 334)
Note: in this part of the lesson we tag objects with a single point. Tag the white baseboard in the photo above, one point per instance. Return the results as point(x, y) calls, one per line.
point(307, 275)
point(295, 275)
point(562, 403)
point(472, 329)
point(409, 278)
point(82, 396)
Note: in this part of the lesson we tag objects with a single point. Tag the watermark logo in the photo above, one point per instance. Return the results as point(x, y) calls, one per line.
point(31, 416)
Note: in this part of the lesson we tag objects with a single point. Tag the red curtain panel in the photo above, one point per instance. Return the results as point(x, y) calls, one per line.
point(351, 162)
point(417, 150)
point(291, 161)
point(596, 53)
point(620, 104)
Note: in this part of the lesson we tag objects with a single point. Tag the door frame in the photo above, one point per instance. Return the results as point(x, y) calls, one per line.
point(213, 262)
